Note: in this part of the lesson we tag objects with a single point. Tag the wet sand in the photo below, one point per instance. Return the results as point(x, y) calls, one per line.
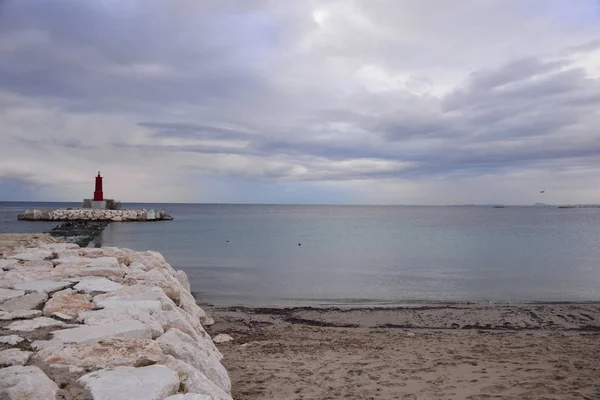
point(445, 351)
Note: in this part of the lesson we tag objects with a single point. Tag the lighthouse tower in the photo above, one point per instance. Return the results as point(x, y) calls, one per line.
point(98, 194)
point(98, 201)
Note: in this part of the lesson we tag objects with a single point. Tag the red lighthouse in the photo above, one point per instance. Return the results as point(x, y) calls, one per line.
point(98, 194)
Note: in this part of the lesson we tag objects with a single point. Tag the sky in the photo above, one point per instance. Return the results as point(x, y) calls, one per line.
point(332, 101)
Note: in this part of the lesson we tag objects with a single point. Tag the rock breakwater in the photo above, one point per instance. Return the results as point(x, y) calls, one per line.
point(106, 323)
point(91, 214)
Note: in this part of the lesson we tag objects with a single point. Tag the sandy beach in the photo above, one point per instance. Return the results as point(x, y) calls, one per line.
point(443, 351)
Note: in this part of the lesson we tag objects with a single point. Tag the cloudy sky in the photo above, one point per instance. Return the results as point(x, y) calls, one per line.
point(332, 101)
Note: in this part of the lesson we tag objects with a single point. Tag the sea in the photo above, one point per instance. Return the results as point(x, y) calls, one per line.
point(237, 254)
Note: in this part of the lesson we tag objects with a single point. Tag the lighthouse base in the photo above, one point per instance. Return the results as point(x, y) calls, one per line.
point(89, 203)
point(98, 204)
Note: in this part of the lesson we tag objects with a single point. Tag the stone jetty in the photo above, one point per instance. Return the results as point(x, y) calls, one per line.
point(93, 214)
point(108, 323)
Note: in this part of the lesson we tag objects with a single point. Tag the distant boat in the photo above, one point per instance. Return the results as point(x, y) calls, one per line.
point(499, 207)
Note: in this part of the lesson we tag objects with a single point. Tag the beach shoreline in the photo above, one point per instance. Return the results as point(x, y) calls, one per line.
point(466, 351)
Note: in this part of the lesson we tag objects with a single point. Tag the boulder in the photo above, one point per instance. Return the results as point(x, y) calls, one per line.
point(188, 303)
point(117, 219)
point(70, 305)
point(10, 279)
point(44, 286)
point(142, 304)
point(222, 338)
point(33, 324)
point(32, 255)
point(20, 383)
point(193, 381)
point(189, 396)
point(137, 296)
point(108, 353)
point(65, 292)
point(183, 347)
point(159, 278)
point(11, 357)
point(105, 316)
point(59, 247)
point(7, 264)
point(41, 268)
point(11, 339)
point(61, 316)
point(7, 294)
point(154, 382)
point(27, 302)
point(97, 284)
point(182, 277)
point(19, 314)
point(123, 256)
point(103, 271)
point(93, 334)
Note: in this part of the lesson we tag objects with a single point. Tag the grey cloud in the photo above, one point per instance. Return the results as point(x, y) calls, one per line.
point(190, 130)
point(475, 129)
point(70, 143)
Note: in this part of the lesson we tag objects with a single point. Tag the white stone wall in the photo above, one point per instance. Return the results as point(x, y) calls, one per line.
point(114, 323)
point(89, 214)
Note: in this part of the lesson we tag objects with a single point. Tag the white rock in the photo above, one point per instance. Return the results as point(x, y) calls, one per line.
point(222, 338)
point(11, 339)
point(97, 284)
point(62, 316)
point(136, 295)
point(7, 294)
point(23, 383)
point(93, 334)
point(11, 278)
point(112, 352)
point(27, 302)
point(11, 357)
point(65, 292)
point(33, 324)
point(194, 381)
point(105, 316)
point(138, 266)
point(142, 304)
point(7, 264)
point(33, 255)
point(59, 247)
point(159, 278)
point(183, 347)
point(208, 321)
point(73, 369)
point(116, 219)
point(125, 383)
point(45, 286)
point(189, 396)
point(19, 314)
point(104, 271)
point(70, 304)
point(103, 262)
point(188, 303)
point(33, 268)
point(182, 277)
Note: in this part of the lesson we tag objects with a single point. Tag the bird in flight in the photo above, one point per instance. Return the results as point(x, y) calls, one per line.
point(542, 191)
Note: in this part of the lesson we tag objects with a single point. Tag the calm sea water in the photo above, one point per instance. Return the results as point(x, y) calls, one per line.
point(250, 254)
